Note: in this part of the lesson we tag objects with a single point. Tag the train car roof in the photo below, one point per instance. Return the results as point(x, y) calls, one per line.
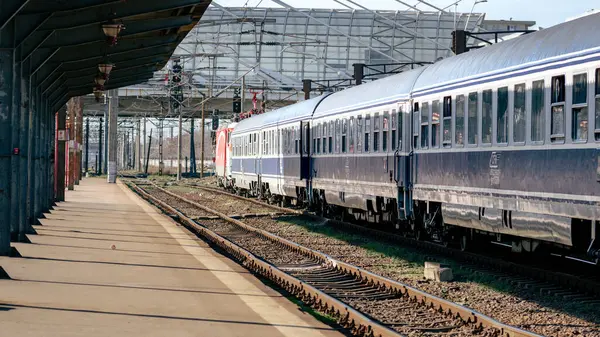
point(577, 37)
point(290, 113)
point(388, 89)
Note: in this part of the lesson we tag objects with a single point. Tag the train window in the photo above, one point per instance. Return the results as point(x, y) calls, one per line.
point(330, 142)
point(580, 109)
point(324, 134)
point(394, 132)
point(459, 127)
point(597, 112)
point(558, 109)
point(376, 125)
point(537, 111)
point(264, 149)
point(519, 114)
point(486, 117)
point(447, 126)
point(284, 140)
point(416, 125)
point(502, 116)
point(424, 125)
point(351, 135)
point(344, 134)
point(385, 131)
point(435, 124)
point(295, 140)
point(359, 133)
point(338, 130)
point(472, 115)
point(318, 136)
point(367, 131)
point(255, 143)
point(306, 138)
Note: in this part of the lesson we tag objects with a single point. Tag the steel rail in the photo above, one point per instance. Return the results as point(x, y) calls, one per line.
point(347, 317)
point(562, 279)
point(468, 315)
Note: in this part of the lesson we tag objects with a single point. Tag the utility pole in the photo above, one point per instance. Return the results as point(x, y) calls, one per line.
point(192, 148)
point(144, 145)
point(138, 146)
point(160, 146)
point(243, 94)
point(148, 153)
point(202, 145)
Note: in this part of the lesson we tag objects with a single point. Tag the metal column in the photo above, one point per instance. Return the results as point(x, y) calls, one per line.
point(202, 143)
point(105, 164)
point(59, 161)
point(179, 145)
point(113, 112)
point(78, 138)
point(24, 141)
point(6, 72)
point(15, 187)
point(71, 145)
point(138, 147)
point(87, 145)
point(143, 153)
point(192, 149)
point(100, 148)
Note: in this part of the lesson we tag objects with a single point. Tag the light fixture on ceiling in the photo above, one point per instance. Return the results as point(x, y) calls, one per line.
point(112, 30)
point(98, 94)
point(105, 68)
point(100, 79)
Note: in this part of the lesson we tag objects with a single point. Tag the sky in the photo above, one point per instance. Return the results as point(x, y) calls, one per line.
point(545, 12)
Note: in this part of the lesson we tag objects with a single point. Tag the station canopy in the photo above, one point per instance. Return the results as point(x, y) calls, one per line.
point(277, 48)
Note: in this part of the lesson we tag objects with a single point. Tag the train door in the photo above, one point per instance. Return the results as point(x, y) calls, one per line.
point(403, 158)
point(304, 150)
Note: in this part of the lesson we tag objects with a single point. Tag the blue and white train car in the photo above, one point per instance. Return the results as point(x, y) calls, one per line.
point(359, 154)
point(268, 152)
point(504, 140)
point(507, 139)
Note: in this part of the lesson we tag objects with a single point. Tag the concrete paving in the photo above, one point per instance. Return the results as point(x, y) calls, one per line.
point(105, 263)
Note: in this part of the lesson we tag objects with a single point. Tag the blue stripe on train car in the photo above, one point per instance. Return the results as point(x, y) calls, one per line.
point(270, 166)
point(565, 171)
point(355, 167)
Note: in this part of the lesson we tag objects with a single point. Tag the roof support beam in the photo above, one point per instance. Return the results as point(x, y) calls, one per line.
point(50, 73)
point(27, 25)
point(139, 77)
point(9, 9)
point(92, 34)
point(71, 54)
point(68, 54)
point(122, 9)
point(89, 74)
point(45, 6)
point(89, 79)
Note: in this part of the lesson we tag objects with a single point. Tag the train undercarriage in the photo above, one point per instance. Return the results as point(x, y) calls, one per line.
point(427, 223)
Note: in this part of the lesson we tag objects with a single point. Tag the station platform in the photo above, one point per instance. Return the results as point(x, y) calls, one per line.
point(105, 263)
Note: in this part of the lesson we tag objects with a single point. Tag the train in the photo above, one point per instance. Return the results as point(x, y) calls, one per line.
point(500, 143)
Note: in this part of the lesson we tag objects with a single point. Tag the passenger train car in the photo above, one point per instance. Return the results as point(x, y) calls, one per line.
point(502, 141)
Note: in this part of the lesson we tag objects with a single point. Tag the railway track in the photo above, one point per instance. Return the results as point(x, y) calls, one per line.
point(583, 288)
point(365, 303)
